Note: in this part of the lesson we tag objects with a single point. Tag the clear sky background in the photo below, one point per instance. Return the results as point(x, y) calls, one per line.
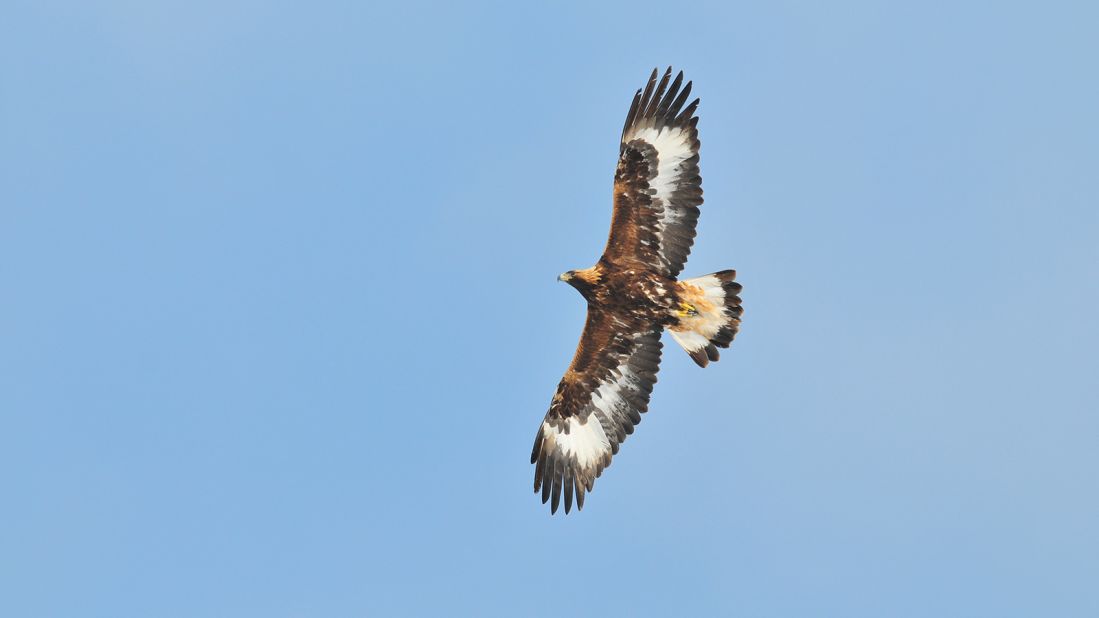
point(279, 318)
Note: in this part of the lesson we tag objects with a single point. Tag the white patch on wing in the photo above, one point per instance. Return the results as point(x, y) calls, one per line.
point(613, 407)
point(585, 440)
point(673, 147)
point(608, 397)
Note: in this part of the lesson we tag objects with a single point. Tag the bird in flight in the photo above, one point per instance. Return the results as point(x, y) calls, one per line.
point(633, 296)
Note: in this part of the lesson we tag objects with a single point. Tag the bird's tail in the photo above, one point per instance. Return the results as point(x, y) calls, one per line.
point(709, 315)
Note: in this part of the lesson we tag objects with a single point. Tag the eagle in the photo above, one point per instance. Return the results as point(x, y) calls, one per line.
point(633, 295)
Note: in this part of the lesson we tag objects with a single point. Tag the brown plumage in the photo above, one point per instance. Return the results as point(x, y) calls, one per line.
point(633, 295)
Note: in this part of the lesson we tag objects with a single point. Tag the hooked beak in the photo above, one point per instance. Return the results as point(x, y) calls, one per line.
point(564, 277)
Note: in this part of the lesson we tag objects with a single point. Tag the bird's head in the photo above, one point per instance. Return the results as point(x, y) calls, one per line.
point(583, 280)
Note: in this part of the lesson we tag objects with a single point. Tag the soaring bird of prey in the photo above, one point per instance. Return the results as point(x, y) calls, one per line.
point(633, 295)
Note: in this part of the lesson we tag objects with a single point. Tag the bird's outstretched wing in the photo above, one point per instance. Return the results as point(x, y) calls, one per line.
point(657, 189)
point(597, 404)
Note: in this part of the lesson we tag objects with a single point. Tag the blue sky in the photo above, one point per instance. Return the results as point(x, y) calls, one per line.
point(279, 314)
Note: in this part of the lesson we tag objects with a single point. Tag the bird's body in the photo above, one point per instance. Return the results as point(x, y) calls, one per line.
point(648, 294)
point(633, 295)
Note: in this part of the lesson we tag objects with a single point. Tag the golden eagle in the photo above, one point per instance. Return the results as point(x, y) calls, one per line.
point(633, 295)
